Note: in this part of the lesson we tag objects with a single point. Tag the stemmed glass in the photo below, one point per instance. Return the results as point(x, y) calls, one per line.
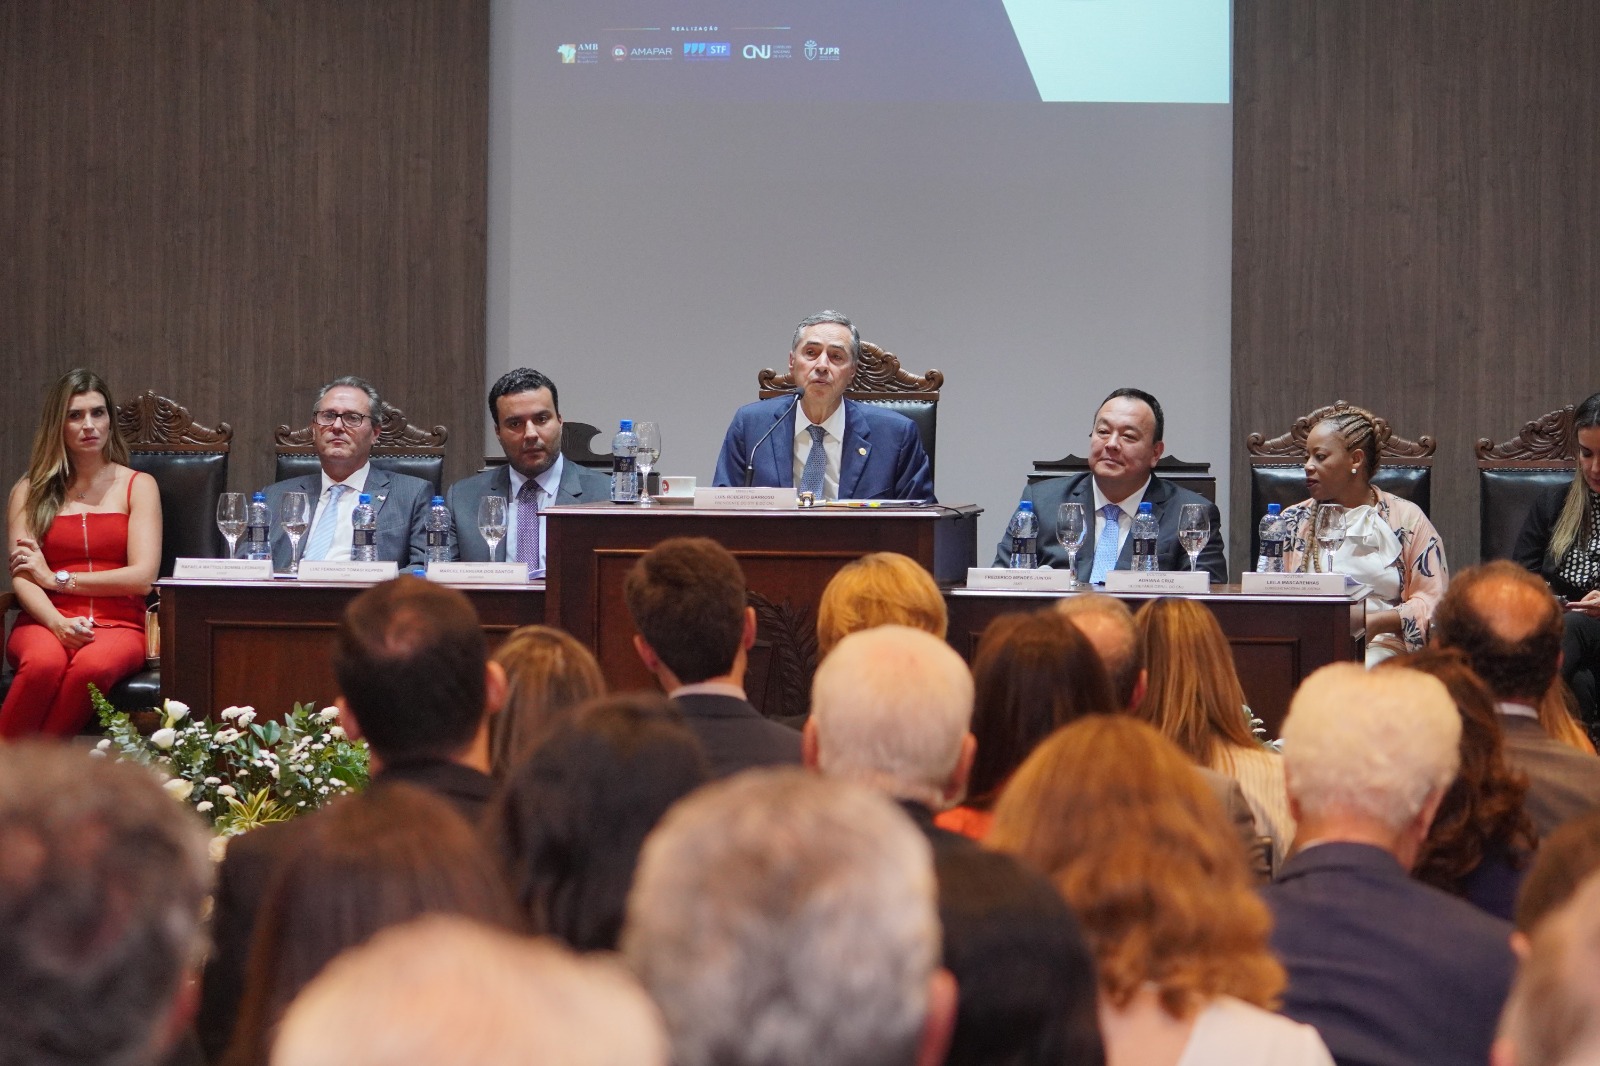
point(1330, 532)
point(1194, 529)
point(492, 522)
point(294, 514)
point(230, 518)
point(649, 434)
point(1071, 529)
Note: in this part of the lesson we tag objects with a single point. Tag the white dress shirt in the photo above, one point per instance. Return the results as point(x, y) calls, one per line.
point(549, 483)
point(344, 529)
point(832, 447)
point(1129, 506)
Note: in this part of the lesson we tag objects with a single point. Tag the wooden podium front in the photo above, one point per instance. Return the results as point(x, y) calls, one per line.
point(788, 558)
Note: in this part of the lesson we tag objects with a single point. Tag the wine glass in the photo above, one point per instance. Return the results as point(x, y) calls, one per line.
point(649, 434)
point(492, 522)
point(230, 518)
point(1330, 532)
point(294, 514)
point(1071, 529)
point(1194, 529)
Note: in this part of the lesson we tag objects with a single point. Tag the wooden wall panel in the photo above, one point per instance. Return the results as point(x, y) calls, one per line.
point(1416, 223)
point(233, 202)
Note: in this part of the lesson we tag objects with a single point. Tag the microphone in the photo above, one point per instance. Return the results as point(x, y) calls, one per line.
point(750, 464)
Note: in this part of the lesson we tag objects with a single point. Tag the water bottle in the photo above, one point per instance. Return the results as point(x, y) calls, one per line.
point(364, 544)
point(1144, 538)
point(1272, 534)
point(624, 471)
point(258, 529)
point(1024, 533)
point(438, 531)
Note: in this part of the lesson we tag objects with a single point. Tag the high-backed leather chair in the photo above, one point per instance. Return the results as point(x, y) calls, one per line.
point(577, 446)
point(1196, 477)
point(401, 448)
point(1277, 467)
point(1514, 473)
point(881, 382)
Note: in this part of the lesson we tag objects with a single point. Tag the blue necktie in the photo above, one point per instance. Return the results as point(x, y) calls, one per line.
point(327, 517)
point(816, 464)
point(1105, 549)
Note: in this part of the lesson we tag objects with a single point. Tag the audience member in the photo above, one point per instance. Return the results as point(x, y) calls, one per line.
point(1481, 839)
point(1508, 625)
point(1193, 696)
point(782, 919)
point(411, 663)
point(570, 821)
point(882, 588)
point(102, 877)
point(1115, 815)
point(687, 599)
point(366, 863)
point(1552, 1017)
point(447, 990)
point(548, 673)
point(1388, 969)
point(1565, 859)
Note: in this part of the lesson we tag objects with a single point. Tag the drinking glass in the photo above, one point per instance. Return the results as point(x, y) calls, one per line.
point(1329, 532)
point(492, 522)
point(1194, 529)
point(294, 514)
point(230, 518)
point(1071, 529)
point(649, 434)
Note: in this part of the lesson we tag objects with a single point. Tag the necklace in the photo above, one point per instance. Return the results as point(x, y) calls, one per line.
point(90, 486)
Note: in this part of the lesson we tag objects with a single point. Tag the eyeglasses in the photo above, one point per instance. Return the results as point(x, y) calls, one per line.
point(351, 419)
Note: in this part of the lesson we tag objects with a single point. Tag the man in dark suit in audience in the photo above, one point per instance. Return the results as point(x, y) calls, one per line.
point(526, 412)
point(687, 599)
point(1388, 969)
point(1125, 443)
point(415, 680)
point(1509, 626)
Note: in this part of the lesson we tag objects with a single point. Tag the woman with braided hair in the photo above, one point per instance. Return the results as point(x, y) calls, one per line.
point(1389, 543)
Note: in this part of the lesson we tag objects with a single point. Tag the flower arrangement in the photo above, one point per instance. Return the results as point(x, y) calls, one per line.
point(238, 772)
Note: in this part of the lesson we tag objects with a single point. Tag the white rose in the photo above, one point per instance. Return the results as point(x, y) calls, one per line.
point(328, 714)
point(246, 716)
point(337, 731)
point(179, 787)
point(164, 738)
point(175, 710)
point(213, 780)
point(104, 745)
point(96, 753)
point(203, 806)
point(227, 791)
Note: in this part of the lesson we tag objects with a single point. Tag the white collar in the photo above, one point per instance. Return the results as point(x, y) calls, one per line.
point(833, 425)
point(548, 482)
point(1130, 506)
point(1517, 710)
point(356, 482)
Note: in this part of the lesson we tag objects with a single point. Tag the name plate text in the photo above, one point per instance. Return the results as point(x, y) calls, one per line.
point(223, 569)
point(1293, 584)
point(366, 573)
point(1002, 579)
point(743, 499)
point(479, 573)
point(1164, 582)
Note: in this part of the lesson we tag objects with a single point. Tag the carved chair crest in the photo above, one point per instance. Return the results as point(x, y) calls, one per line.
point(878, 377)
point(1292, 445)
point(395, 434)
point(1547, 439)
point(152, 421)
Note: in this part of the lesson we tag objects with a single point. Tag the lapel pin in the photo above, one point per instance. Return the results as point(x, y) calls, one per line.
point(861, 451)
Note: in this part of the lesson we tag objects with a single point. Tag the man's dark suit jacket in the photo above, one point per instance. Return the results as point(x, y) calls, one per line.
point(402, 504)
point(1166, 501)
point(1563, 782)
point(881, 456)
point(578, 484)
point(247, 870)
point(735, 735)
point(1391, 972)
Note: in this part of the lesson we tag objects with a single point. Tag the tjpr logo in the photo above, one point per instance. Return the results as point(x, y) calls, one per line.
point(815, 51)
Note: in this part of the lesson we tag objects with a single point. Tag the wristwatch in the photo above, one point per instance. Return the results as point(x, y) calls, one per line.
point(65, 581)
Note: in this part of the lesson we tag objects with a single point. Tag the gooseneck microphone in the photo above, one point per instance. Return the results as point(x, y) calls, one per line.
point(750, 463)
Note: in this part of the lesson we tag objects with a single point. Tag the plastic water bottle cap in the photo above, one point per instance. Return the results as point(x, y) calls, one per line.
point(259, 496)
point(1145, 507)
point(1274, 508)
point(438, 501)
point(365, 498)
point(627, 424)
point(1025, 505)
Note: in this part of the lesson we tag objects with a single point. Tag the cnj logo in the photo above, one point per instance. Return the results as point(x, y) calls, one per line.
point(813, 51)
point(707, 50)
point(758, 51)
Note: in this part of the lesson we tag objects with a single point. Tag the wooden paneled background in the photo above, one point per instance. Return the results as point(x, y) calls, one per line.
point(231, 202)
point(1416, 223)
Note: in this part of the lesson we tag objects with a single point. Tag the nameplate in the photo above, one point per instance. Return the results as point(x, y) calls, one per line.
point(1255, 584)
point(743, 499)
point(479, 573)
point(1161, 582)
point(1001, 579)
point(223, 569)
point(366, 573)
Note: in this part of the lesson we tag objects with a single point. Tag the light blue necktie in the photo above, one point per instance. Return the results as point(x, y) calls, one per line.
point(328, 517)
point(816, 464)
point(1105, 549)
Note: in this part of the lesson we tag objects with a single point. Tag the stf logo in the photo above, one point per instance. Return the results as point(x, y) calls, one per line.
point(707, 50)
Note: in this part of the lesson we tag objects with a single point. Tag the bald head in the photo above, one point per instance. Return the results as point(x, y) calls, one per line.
point(1108, 625)
point(1506, 622)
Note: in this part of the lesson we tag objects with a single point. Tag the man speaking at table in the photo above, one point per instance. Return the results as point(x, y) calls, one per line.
point(840, 449)
point(1124, 446)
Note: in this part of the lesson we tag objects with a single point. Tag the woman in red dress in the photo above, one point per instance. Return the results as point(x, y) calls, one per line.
point(82, 583)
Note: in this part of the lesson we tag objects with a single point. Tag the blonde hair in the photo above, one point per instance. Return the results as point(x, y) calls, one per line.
point(49, 467)
point(549, 674)
point(1575, 519)
point(1124, 825)
point(883, 588)
point(1192, 694)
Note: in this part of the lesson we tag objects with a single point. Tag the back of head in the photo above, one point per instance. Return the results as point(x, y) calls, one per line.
point(573, 815)
point(444, 989)
point(1565, 859)
point(1110, 628)
point(1192, 692)
point(1370, 745)
point(883, 588)
point(687, 599)
point(784, 919)
point(1032, 674)
point(1506, 622)
point(1552, 1017)
point(891, 707)
point(548, 674)
point(102, 877)
point(410, 664)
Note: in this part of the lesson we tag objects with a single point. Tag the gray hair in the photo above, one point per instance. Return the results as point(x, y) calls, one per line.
point(350, 381)
point(891, 706)
point(102, 876)
point(1109, 626)
point(783, 919)
point(1372, 744)
point(834, 317)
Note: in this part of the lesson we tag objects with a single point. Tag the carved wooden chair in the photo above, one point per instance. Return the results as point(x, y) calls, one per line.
point(401, 448)
point(1514, 473)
